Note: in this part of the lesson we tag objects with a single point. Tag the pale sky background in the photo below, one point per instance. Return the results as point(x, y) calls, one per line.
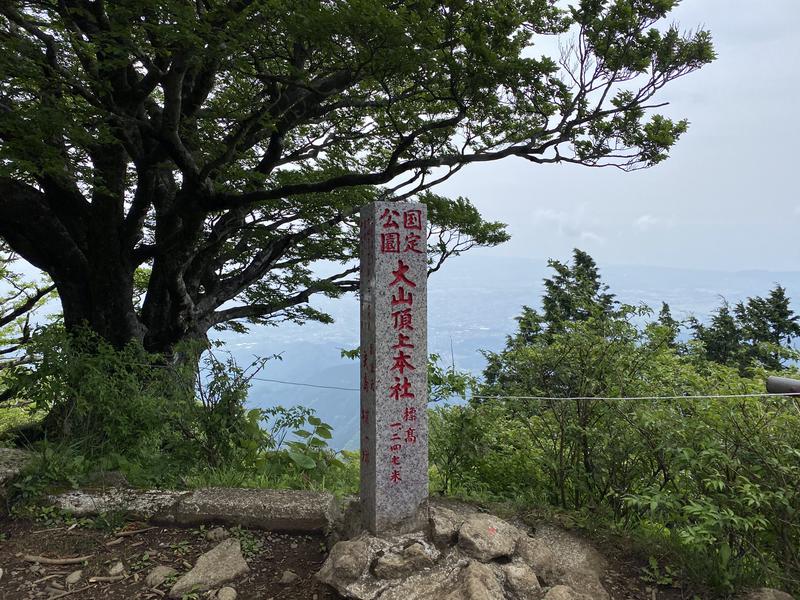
point(725, 199)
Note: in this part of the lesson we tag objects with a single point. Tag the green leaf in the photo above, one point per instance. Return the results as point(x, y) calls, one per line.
point(302, 460)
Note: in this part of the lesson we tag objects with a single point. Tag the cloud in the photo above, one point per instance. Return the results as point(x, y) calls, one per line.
point(646, 222)
point(590, 236)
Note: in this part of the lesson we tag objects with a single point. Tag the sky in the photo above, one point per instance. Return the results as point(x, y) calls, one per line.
point(725, 199)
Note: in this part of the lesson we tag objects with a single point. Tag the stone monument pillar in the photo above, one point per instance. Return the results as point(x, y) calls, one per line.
point(394, 364)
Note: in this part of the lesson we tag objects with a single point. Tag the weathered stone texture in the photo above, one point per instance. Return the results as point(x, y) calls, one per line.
point(394, 431)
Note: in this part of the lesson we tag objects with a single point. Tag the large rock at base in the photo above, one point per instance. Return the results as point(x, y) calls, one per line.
point(561, 558)
point(430, 584)
point(219, 565)
point(478, 582)
point(485, 537)
point(521, 581)
point(564, 592)
point(444, 524)
point(766, 594)
point(368, 566)
point(409, 560)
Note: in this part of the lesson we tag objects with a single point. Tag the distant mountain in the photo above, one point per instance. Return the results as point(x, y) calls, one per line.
point(472, 305)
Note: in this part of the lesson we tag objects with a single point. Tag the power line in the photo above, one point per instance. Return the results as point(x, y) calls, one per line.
point(699, 397)
point(311, 385)
point(551, 398)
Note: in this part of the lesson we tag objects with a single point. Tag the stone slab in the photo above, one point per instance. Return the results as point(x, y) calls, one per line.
point(151, 505)
point(394, 357)
point(273, 510)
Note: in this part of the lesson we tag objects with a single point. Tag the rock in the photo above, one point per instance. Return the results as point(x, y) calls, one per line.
point(444, 524)
point(226, 593)
point(437, 583)
point(766, 594)
point(561, 558)
point(478, 582)
point(116, 569)
point(564, 592)
point(288, 577)
point(217, 534)
point(346, 562)
point(159, 575)
point(485, 537)
point(73, 578)
point(521, 581)
point(400, 564)
point(221, 564)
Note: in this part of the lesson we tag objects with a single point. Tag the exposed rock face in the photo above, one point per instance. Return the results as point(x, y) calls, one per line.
point(219, 565)
point(444, 524)
point(475, 557)
point(564, 592)
point(410, 559)
point(521, 581)
point(560, 558)
point(478, 582)
point(485, 537)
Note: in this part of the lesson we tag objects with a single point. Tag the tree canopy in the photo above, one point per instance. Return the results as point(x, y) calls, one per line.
point(178, 165)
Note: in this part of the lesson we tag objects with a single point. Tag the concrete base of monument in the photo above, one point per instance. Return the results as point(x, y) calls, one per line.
point(463, 554)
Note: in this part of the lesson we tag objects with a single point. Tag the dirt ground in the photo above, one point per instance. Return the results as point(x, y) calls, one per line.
point(268, 554)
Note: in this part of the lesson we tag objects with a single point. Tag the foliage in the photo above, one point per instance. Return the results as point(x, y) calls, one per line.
point(579, 427)
point(756, 332)
point(19, 298)
point(176, 167)
point(147, 419)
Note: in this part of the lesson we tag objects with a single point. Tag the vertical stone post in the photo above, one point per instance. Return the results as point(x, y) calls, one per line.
point(394, 366)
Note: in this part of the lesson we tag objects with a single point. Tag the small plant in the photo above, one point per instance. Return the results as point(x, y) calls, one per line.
point(141, 562)
point(655, 574)
point(251, 544)
point(180, 548)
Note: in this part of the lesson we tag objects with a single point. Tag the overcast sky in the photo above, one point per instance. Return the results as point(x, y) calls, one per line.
point(725, 199)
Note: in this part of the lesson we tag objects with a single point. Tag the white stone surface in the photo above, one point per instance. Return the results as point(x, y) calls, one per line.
point(394, 356)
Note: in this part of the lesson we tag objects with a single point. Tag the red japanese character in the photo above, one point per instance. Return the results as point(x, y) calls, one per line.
point(396, 461)
point(390, 242)
point(402, 297)
point(412, 243)
point(403, 319)
point(402, 342)
point(400, 275)
point(410, 413)
point(395, 437)
point(396, 447)
point(397, 425)
point(401, 362)
point(395, 476)
point(411, 435)
point(388, 219)
point(412, 219)
point(401, 390)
